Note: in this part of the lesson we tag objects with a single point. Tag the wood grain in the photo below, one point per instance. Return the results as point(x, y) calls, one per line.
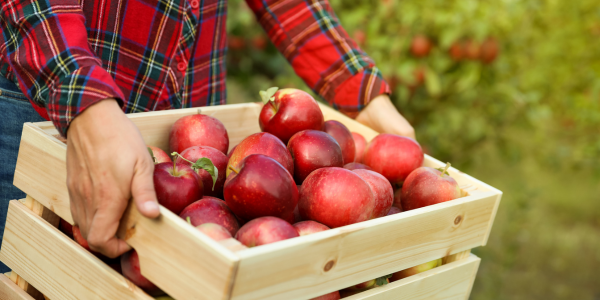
point(11, 291)
point(55, 264)
point(450, 282)
point(326, 261)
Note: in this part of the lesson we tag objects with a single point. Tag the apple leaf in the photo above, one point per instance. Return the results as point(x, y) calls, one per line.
point(267, 95)
point(152, 155)
point(382, 280)
point(207, 165)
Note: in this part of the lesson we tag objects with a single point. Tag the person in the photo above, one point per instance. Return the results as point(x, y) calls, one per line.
point(84, 64)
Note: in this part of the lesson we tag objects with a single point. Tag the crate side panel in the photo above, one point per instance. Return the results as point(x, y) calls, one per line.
point(56, 265)
point(338, 258)
point(10, 291)
point(451, 281)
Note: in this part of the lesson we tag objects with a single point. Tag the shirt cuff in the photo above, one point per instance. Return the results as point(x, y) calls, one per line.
point(79, 90)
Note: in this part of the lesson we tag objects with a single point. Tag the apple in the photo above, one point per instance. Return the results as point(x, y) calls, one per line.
point(193, 154)
point(342, 135)
point(231, 152)
point(360, 37)
point(471, 50)
point(211, 210)
point(265, 230)
point(489, 50)
point(420, 46)
point(159, 155)
point(398, 198)
point(308, 227)
point(382, 191)
point(261, 143)
point(331, 296)
point(456, 51)
point(176, 186)
point(336, 197)
point(393, 156)
point(361, 287)
point(214, 231)
point(288, 111)
point(130, 265)
point(297, 217)
point(235, 42)
point(427, 186)
point(393, 210)
point(66, 228)
point(198, 130)
point(312, 150)
point(356, 166)
point(261, 187)
point(360, 143)
point(416, 270)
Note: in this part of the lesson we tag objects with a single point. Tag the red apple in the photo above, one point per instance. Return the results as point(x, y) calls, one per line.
point(211, 210)
point(130, 265)
point(393, 156)
point(456, 51)
point(489, 50)
point(416, 270)
point(398, 198)
point(177, 186)
point(288, 111)
point(297, 217)
point(393, 210)
point(336, 197)
point(420, 46)
point(331, 296)
point(471, 50)
point(265, 230)
point(382, 191)
point(218, 159)
point(308, 227)
point(360, 143)
point(261, 143)
point(342, 135)
point(198, 130)
point(427, 186)
point(214, 231)
point(261, 187)
point(312, 150)
point(356, 166)
point(66, 228)
point(159, 155)
point(231, 152)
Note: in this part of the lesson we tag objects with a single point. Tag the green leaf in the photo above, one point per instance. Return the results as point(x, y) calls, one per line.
point(267, 95)
point(382, 280)
point(152, 155)
point(207, 165)
point(432, 83)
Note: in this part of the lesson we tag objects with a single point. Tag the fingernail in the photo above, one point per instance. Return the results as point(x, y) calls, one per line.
point(150, 206)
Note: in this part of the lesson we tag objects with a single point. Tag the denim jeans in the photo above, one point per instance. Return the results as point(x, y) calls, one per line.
point(15, 110)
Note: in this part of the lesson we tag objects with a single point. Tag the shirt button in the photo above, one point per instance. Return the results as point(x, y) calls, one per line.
point(195, 4)
point(181, 66)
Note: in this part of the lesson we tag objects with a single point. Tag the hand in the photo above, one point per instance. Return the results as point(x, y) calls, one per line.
point(382, 116)
point(107, 164)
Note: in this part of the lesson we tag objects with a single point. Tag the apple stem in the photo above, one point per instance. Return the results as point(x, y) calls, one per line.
point(234, 170)
point(445, 171)
point(188, 220)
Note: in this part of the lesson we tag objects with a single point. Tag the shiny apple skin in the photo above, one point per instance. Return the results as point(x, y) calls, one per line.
point(198, 130)
point(293, 110)
point(309, 227)
point(382, 191)
point(261, 143)
point(160, 156)
point(177, 192)
point(265, 230)
point(217, 158)
point(211, 210)
point(312, 150)
point(356, 166)
point(360, 143)
point(342, 135)
point(427, 186)
point(336, 197)
point(263, 187)
point(130, 266)
point(394, 210)
point(393, 156)
point(214, 231)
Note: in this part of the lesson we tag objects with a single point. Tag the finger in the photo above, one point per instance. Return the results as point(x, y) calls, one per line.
point(103, 229)
point(142, 189)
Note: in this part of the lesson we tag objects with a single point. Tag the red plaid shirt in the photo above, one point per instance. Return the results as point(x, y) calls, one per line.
point(163, 54)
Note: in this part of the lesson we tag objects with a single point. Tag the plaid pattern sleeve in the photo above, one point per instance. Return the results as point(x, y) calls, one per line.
point(310, 36)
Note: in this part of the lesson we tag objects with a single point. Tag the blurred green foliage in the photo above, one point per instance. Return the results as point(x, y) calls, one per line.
point(527, 123)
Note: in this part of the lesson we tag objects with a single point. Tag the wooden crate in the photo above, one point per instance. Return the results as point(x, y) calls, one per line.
point(188, 265)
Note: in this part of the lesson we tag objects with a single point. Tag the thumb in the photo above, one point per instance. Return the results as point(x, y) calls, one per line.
point(142, 190)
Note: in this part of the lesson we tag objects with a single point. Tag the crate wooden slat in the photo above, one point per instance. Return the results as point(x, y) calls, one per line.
point(450, 282)
point(291, 269)
point(11, 291)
